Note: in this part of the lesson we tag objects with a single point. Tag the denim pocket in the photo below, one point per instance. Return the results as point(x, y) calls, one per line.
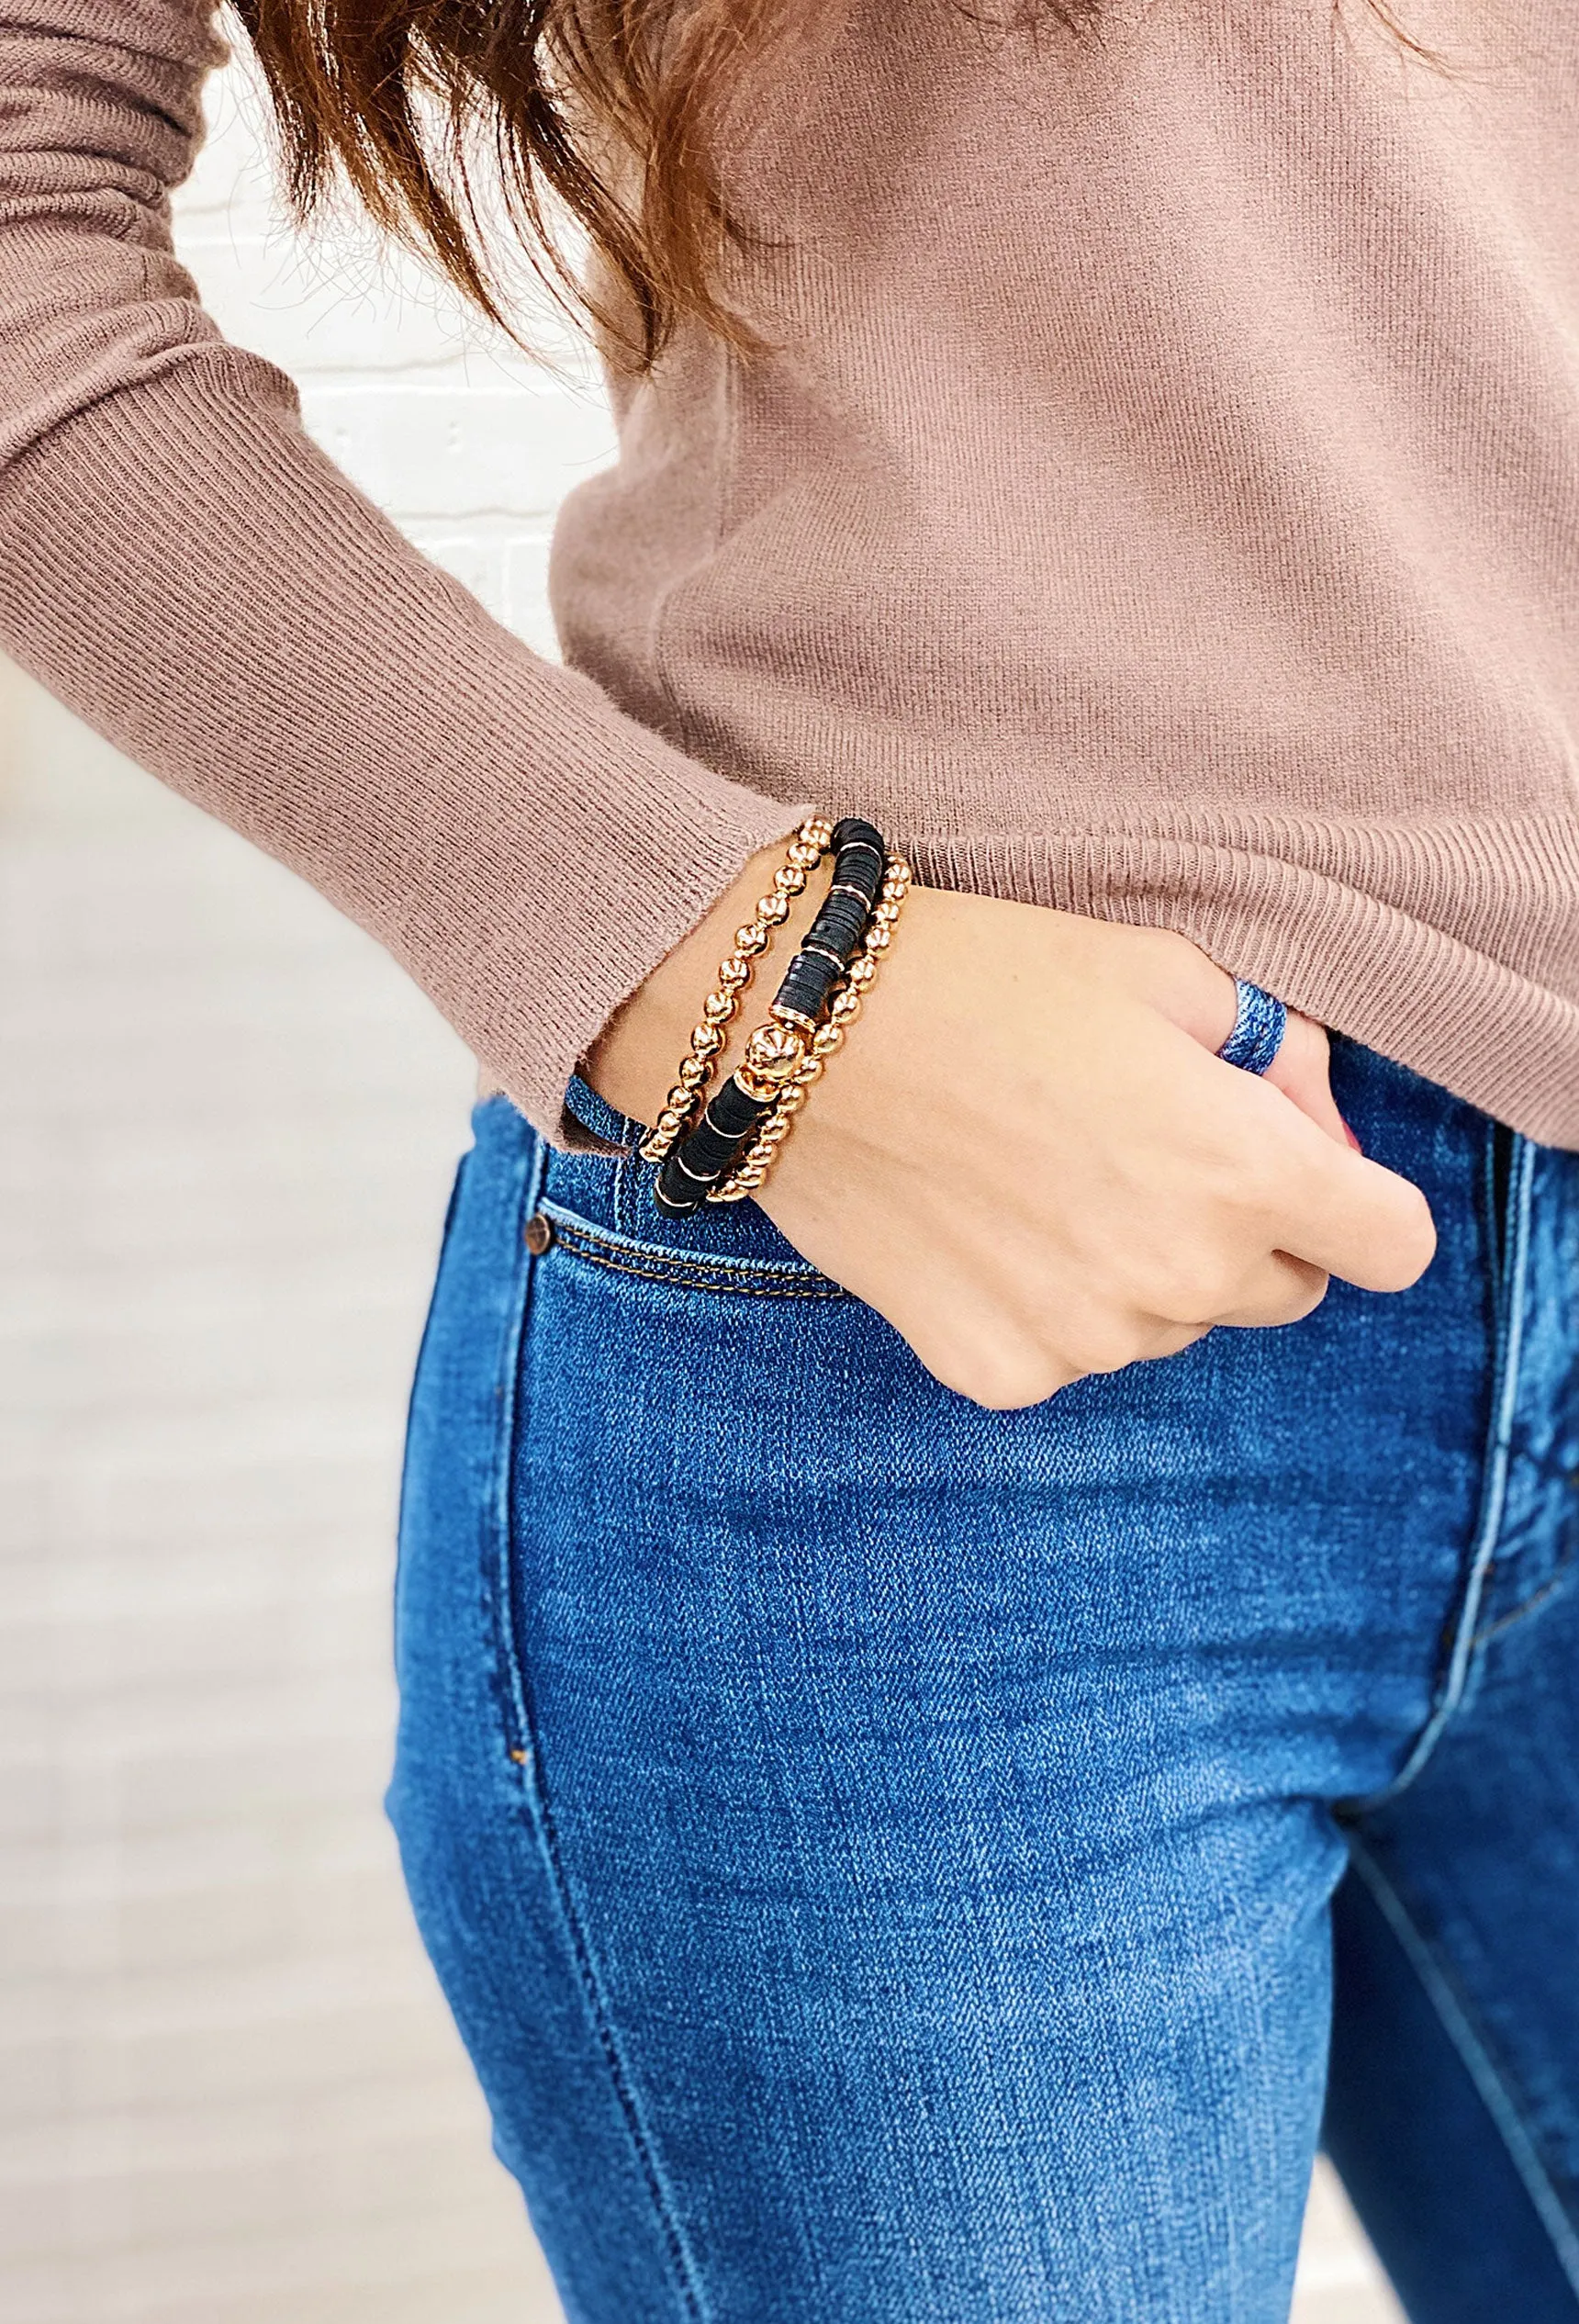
point(687, 1269)
point(598, 1209)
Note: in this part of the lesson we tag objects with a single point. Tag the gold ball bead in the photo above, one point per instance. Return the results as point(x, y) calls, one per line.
point(876, 938)
point(774, 908)
point(817, 832)
point(773, 1050)
point(748, 940)
point(861, 971)
point(718, 1007)
point(789, 878)
point(806, 857)
point(886, 914)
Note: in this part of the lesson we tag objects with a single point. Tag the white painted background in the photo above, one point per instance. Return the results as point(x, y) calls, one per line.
point(228, 2092)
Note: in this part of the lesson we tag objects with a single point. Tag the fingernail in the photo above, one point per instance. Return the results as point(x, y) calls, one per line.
point(1351, 1138)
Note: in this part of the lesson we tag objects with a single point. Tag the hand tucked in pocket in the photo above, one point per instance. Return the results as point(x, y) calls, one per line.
point(1028, 1156)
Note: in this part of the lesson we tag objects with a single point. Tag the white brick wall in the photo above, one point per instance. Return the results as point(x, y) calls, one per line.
point(466, 443)
point(229, 2093)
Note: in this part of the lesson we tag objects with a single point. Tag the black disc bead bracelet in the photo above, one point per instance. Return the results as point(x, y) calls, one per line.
point(777, 1049)
point(830, 943)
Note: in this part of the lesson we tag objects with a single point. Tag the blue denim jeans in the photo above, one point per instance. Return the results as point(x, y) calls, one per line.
point(897, 1863)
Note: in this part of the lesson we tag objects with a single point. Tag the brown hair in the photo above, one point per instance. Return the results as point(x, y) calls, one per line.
point(609, 112)
point(605, 112)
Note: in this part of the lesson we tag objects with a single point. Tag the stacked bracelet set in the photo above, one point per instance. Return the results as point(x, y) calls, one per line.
point(721, 1148)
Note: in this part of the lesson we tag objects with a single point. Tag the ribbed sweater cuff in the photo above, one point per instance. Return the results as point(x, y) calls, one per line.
point(184, 568)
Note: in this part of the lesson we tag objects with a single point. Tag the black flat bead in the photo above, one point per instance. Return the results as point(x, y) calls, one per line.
point(851, 829)
point(674, 1194)
point(708, 1152)
point(809, 972)
point(840, 926)
point(863, 872)
point(733, 1111)
point(838, 934)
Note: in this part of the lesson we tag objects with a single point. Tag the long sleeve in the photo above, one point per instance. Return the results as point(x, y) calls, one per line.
point(182, 566)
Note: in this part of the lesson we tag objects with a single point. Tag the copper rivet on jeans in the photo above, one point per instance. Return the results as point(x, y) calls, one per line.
point(539, 1234)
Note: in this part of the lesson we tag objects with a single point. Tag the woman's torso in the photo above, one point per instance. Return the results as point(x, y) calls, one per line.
point(1161, 498)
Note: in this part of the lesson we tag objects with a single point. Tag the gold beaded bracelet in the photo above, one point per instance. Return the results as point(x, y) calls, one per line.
point(709, 1040)
point(753, 1165)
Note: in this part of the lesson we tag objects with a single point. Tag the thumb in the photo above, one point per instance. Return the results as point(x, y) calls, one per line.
point(1302, 1070)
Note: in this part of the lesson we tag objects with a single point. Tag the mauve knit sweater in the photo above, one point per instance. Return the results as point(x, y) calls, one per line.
point(1162, 501)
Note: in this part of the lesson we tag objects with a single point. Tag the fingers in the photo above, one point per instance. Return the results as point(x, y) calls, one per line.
point(1252, 1287)
point(1302, 1069)
point(1344, 1215)
point(1006, 1358)
point(1284, 1290)
point(997, 1366)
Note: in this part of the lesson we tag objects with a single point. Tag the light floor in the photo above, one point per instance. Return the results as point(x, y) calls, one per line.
point(229, 2093)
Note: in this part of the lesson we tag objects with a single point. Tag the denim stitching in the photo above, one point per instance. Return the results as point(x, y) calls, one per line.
point(495, 1577)
point(1494, 1491)
point(698, 1273)
point(624, 1195)
point(1438, 1984)
point(685, 1281)
point(602, 2026)
point(531, 1785)
point(1557, 1580)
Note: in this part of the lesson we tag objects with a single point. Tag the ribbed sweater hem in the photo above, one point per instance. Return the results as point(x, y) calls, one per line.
point(1491, 1034)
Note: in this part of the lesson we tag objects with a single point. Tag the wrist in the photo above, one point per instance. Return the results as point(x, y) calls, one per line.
point(631, 1064)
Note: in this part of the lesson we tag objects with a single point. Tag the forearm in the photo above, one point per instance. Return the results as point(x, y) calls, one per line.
point(184, 566)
